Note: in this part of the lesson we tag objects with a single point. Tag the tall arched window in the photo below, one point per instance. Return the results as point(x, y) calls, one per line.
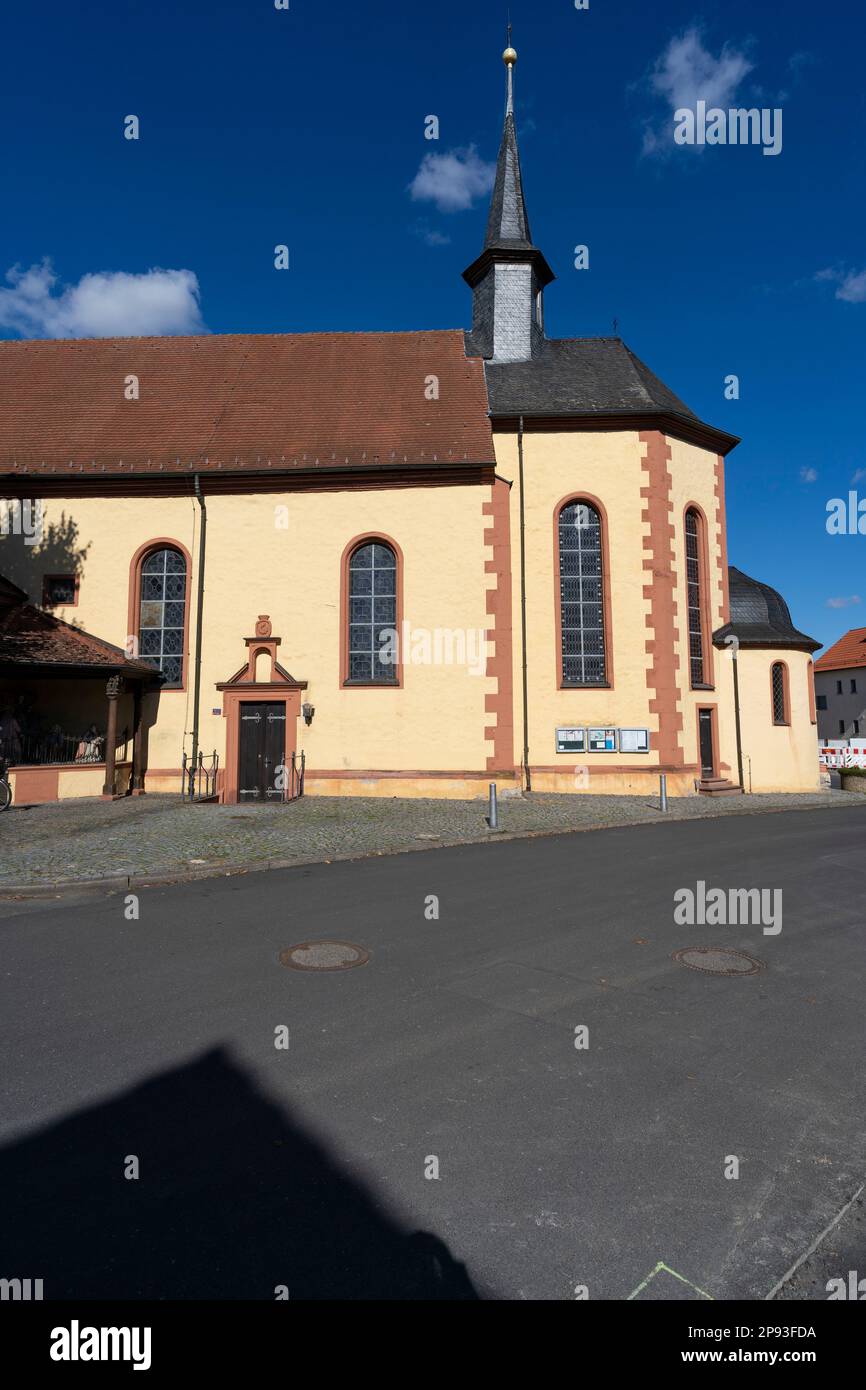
point(373, 638)
point(694, 585)
point(779, 684)
point(810, 678)
point(581, 596)
point(162, 613)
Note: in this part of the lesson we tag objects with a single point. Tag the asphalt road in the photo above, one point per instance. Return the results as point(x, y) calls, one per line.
point(558, 1168)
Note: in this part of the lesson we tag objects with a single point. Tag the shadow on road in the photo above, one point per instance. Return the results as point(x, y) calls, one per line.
point(233, 1200)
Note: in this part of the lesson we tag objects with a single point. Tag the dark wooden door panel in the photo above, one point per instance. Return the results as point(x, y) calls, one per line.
point(274, 746)
point(251, 719)
point(708, 757)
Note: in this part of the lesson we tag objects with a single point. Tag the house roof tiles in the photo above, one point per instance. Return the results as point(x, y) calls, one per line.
point(31, 638)
point(848, 652)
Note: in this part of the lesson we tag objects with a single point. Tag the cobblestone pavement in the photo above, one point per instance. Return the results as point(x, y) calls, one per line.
point(159, 836)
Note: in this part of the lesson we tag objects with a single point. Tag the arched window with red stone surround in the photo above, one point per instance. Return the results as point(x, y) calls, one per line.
point(780, 692)
point(372, 612)
point(159, 609)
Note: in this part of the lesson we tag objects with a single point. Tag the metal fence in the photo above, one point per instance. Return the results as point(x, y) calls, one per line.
point(38, 750)
point(293, 775)
point(199, 780)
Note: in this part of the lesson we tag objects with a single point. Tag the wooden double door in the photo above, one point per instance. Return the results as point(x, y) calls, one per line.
point(262, 751)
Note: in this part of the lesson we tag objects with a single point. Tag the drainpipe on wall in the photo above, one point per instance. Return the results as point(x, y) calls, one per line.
point(198, 623)
point(527, 773)
point(737, 719)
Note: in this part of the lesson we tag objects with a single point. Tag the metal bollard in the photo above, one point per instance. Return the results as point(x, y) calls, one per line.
point(663, 791)
point(493, 814)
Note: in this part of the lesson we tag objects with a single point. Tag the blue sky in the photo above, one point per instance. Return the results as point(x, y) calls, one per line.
point(306, 127)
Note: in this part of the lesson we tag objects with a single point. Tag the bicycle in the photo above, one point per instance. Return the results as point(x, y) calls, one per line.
point(5, 787)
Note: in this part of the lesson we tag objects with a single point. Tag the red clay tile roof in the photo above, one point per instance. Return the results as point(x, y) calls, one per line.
point(236, 401)
point(850, 650)
point(29, 637)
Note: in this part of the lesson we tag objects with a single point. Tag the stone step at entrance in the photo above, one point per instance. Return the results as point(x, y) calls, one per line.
point(718, 786)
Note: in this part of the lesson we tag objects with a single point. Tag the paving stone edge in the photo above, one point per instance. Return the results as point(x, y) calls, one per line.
point(118, 882)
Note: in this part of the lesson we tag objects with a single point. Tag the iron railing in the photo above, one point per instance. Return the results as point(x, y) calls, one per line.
point(199, 779)
point(292, 774)
point(39, 750)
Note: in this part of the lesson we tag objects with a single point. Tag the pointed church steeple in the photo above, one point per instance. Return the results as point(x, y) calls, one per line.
point(509, 277)
point(508, 223)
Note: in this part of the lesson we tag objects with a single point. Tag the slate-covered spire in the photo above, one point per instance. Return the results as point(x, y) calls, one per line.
point(508, 223)
point(509, 277)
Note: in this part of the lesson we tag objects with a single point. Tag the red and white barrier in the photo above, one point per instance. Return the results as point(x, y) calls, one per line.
point(843, 753)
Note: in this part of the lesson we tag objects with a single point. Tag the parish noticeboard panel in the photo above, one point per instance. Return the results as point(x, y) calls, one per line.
point(634, 741)
point(602, 740)
point(571, 740)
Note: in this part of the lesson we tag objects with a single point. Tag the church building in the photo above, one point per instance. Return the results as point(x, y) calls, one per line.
point(410, 563)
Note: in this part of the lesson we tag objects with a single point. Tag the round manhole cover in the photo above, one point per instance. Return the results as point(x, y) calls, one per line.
point(718, 960)
point(324, 955)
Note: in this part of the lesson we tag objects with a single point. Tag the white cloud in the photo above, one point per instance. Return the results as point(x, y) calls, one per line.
point(843, 602)
point(798, 63)
point(853, 288)
point(106, 304)
point(808, 475)
point(430, 235)
point(850, 284)
point(686, 73)
point(452, 181)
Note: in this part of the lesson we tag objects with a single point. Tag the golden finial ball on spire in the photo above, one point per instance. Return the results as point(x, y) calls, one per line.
point(509, 57)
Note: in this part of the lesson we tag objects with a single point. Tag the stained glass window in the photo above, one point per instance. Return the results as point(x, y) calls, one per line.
point(695, 598)
point(373, 651)
point(780, 694)
point(162, 615)
point(581, 593)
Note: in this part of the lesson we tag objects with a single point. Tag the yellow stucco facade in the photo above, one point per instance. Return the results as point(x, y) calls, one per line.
point(778, 758)
point(280, 555)
point(455, 721)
